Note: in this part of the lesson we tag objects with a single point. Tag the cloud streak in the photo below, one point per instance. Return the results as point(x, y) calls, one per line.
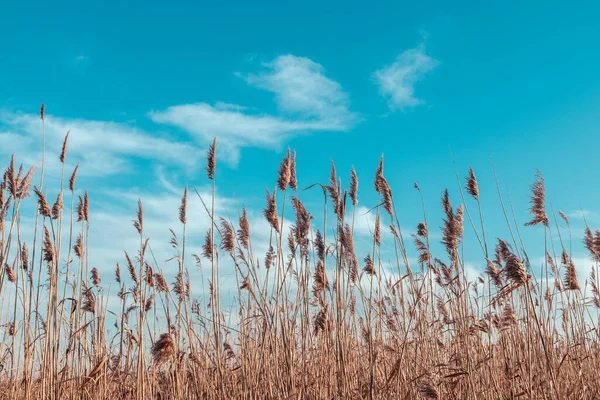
point(397, 81)
point(301, 88)
point(307, 101)
point(104, 147)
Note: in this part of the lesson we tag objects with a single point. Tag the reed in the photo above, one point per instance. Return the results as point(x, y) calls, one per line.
point(318, 316)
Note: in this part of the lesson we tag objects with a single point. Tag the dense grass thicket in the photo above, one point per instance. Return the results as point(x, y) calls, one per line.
point(313, 319)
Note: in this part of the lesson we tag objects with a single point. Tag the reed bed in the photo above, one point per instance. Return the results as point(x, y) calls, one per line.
point(313, 318)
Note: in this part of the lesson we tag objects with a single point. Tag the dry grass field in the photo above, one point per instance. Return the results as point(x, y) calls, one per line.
point(315, 320)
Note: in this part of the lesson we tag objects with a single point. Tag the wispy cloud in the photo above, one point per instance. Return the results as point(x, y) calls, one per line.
point(301, 87)
point(308, 101)
point(105, 147)
point(581, 214)
point(234, 127)
point(397, 81)
point(364, 221)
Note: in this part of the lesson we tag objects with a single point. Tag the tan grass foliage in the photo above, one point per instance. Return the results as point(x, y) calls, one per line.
point(311, 322)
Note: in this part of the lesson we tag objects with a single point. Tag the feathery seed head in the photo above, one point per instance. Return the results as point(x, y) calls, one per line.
point(283, 178)
point(243, 233)
point(538, 202)
point(63, 152)
point(472, 186)
point(353, 186)
point(211, 160)
point(73, 178)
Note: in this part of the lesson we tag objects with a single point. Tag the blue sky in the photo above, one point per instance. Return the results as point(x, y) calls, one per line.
point(145, 86)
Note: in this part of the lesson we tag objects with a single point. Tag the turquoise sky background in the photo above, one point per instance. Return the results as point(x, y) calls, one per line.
point(143, 86)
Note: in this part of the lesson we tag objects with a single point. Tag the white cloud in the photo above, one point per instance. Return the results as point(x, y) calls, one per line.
point(364, 221)
point(473, 271)
point(165, 181)
point(581, 214)
point(301, 87)
point(308, 100)
point(397, 80)
point(583, 266)
point(104, 147)
point(234, 129)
